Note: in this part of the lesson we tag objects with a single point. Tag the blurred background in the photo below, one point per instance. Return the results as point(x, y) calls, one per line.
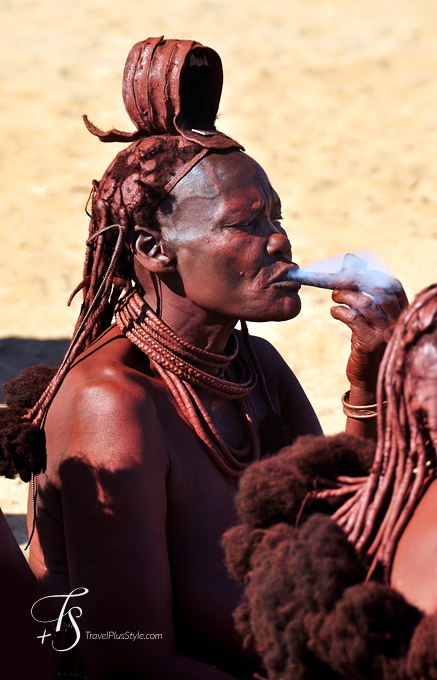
point(335, 98)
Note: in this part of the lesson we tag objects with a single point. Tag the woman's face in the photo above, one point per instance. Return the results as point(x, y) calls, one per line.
point(223, 222)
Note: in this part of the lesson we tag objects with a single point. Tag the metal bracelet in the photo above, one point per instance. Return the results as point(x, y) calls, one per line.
point(359, 412)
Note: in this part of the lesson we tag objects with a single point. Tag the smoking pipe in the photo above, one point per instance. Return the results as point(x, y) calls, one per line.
point(349, 277)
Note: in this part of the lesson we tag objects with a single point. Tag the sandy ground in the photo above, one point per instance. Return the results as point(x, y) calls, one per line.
point(336, 99)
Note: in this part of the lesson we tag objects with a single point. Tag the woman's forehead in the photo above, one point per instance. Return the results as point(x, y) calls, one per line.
point(223, 188)
point(234, 176)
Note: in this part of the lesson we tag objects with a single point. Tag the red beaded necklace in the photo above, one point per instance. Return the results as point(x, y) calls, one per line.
point(179, 364)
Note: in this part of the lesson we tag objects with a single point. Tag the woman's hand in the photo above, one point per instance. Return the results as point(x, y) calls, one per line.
point(371, 315)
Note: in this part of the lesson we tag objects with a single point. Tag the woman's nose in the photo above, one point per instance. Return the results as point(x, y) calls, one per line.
point(278, 244)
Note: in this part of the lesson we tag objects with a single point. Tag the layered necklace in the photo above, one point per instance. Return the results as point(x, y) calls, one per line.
point(180, 364)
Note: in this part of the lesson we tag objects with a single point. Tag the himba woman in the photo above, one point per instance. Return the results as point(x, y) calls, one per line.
point(152, 418)
point(353, 595)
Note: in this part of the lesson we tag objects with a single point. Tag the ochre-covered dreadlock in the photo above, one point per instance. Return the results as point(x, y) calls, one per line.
point(131, 188)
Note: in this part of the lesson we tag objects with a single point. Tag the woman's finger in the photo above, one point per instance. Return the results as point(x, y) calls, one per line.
point(362, 330)
point(374, 313)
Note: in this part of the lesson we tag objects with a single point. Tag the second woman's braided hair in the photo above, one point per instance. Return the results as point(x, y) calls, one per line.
point(373, 502)
point(405, 461)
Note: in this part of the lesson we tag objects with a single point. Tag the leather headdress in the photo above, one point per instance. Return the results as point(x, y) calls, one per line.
point(171, 91)
point(171, 87)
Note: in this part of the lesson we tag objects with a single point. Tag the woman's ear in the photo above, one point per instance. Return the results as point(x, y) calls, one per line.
point(152, 251)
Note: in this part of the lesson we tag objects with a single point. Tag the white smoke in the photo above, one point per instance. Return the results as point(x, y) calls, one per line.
point(361, 271)
point(334, 263)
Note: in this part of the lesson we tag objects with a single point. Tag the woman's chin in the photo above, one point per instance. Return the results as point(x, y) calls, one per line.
point(289, 309)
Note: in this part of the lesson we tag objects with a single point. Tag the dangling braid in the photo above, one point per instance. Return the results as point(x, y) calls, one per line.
point(375, 516)
point(95, 312)
point(127, 194)
point(104, 280)
point(405, 459)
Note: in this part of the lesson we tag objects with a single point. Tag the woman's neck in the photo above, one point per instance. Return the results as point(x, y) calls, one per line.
point(195, 325)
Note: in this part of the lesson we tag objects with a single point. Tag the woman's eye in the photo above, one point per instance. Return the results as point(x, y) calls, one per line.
point(277, 221)
point(245, 225)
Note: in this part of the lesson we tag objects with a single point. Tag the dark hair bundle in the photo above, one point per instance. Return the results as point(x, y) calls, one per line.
point(22, 444)
point(291, 485)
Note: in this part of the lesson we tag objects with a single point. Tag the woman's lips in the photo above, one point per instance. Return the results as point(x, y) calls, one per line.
point(286, 283)
point(284, 280)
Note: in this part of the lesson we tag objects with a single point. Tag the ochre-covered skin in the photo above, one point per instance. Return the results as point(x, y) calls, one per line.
point(131, 505)
point(143, 508)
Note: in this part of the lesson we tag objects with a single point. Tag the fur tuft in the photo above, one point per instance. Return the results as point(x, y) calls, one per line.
point(22, 444)
point(273, 490)
point(239, 544)
point(422, 657)
point(367, 634)
point(25, 390)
